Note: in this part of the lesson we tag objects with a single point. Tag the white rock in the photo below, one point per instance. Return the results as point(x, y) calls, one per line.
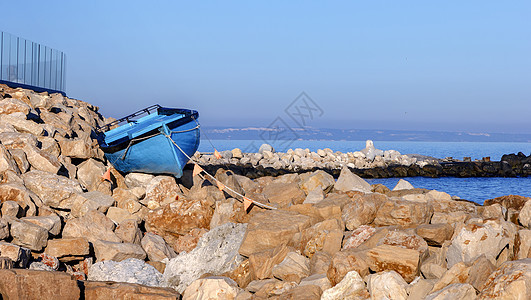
point(131, 270)
point(387, 285)
point(215, 253)
point(351, 285)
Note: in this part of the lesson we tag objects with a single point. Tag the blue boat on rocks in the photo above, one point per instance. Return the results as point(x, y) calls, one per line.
point(154, 140)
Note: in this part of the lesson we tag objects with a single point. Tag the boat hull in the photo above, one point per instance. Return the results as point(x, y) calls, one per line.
point(156, 153)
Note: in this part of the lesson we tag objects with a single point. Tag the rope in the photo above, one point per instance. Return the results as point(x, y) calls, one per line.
point(217, 181)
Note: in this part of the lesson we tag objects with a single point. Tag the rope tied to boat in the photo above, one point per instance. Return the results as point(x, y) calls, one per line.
point(245, 200)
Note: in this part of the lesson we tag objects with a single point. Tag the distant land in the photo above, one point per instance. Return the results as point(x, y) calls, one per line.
point(265, 133)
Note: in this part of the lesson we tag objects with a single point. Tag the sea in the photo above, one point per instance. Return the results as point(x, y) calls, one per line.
point(477, 189)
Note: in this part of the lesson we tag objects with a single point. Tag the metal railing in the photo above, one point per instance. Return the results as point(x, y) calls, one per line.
point(31, 65)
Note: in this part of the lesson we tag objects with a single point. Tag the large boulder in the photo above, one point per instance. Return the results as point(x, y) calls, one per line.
point(344, 262)
point(161, 190)
point(21, 195)
point(131, 270)
point(216, 253)
point(85, 202)
point(271, 228)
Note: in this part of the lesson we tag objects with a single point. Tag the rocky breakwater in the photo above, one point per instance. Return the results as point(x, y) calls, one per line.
point(367, 163)
point(67, 233)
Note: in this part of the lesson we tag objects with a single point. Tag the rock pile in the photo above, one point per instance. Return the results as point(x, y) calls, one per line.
point(65, 232)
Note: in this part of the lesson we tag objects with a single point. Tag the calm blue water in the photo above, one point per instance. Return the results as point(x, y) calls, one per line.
point(474, 189)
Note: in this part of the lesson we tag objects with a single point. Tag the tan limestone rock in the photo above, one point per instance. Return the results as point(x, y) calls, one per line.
point(98, 290)
point(386, 257)
point(28, 235)
point(403, 213)
point(350, 287)
point(262, 263)
point(316, 179)
point(68, 249)
point(512, 280)
point(435, 234)
point(33, 284)
point(156, 248)
point(93, 226)
point(479, 271)
point(345, 261)
point(128, 231)
point(212, 287)
point(310, 292)
point(284, 194)
point(458, 273)
point(179, 217)
point(105, 250)
point(294, 267)
point(269, 229)
point(54, 190)
point(356, 237)
point(349, 181)
point(456, 291)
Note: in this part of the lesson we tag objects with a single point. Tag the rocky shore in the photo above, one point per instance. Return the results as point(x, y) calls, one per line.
point(367, 163)
point(65, 232)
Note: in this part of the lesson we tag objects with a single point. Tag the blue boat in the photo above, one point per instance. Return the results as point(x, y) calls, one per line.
point(155, 140)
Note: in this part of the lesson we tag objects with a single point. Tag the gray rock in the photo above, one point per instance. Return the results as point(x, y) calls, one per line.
point(349, 181)
point(131, 270)
point(403, 185)
point(215, 253)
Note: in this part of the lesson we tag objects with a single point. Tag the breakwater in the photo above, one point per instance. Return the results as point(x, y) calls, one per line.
point(367, 163)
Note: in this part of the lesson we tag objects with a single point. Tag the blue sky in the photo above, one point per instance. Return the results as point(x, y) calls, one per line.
point(424, 65)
